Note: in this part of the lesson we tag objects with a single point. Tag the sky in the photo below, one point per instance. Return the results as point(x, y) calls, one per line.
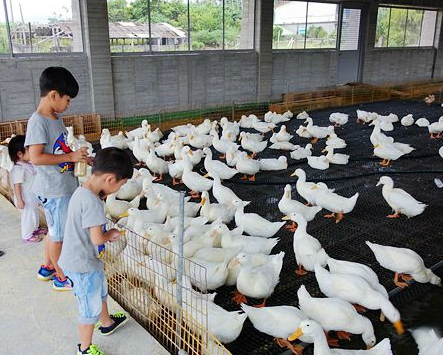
point(37, 10)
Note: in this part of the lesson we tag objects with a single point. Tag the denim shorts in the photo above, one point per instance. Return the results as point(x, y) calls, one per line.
point(91, 290)
point(56, 211)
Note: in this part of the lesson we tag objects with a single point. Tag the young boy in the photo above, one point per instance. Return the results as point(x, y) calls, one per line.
point(22, 177)
point(83, 245)
point(54, 161)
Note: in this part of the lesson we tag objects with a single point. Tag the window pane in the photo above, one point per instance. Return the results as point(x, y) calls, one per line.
point(381, 34)
point(289, 24)
point(428, 28)
point(397, 27)
point(350, 29)
point(206, 24)
point(413, 27)
point(169, 25)
point(322, 25)
point(239, 24)
point(50, 26)
point(4, 42)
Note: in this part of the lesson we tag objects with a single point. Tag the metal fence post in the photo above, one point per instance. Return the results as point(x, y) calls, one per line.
point(159, 120)
point(181, 231)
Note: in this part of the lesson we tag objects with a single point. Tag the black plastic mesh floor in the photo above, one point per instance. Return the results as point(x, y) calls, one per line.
point(414, 173)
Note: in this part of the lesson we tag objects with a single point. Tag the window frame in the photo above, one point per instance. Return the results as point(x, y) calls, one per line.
point(387, 48)
point(331, 49)
point(12, 54)
point(188, 32)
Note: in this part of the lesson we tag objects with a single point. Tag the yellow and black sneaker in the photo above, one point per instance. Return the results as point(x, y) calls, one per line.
point(119, 319)
point(91, 350)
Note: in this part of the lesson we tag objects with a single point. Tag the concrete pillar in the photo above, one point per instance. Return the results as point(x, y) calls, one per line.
point(437, 72)
point(247, 24)
point(77, 41)
point(96, 43)
point(263, 47)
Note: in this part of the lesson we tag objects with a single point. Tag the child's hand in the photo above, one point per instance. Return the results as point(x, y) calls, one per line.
point(80, 155)
point(114, 235)
point(20, 204)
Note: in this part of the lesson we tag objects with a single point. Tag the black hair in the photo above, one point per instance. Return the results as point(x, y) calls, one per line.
point(59, 79)
point(113, 161)
point(16, 145)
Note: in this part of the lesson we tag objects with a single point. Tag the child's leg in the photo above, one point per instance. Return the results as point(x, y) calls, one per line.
point(30, 218)
point(86, 331)
point(105, 319)
point(48, 261)
point(55, 249)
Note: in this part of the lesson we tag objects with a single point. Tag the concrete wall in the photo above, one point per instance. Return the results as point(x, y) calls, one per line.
point(19, 88)
point(184, 81)
point(299, 71)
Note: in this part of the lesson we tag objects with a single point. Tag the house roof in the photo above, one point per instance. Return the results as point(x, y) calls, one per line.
point(141, 30)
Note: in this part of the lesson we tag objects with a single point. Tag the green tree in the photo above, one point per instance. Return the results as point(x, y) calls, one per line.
point(316, 32)
point(118, 11)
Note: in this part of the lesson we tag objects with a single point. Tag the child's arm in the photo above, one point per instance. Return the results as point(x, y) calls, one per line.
point(99, 238)
point(39, 157)
point(18, 196)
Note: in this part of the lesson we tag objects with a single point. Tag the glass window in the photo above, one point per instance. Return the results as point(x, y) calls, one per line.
point(4, 41)
point(169, 25)
point(350, 29)
point(239, 24)
point(402, 27)
point(206, 18)
point(397, 27)
point(413, 28)
point(51, 26)
point(301, 24)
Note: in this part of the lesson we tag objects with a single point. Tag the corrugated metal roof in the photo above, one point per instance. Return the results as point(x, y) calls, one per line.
point(141, 30)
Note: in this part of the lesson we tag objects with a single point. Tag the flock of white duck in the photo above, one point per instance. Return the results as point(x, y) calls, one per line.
point(242, 257)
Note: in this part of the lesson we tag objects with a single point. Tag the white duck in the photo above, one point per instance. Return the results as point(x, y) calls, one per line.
point(336, 314)
point(283, 135)
point(139, 132)
point(252, 145)
point(256, 260)
point(204, 128)
point(338, 118)
point(319, 163)
point(232, 155)
point(156, 165)
point(436, 128)
point(422, 122)
point(353, 268)
point(131, 188)
point(313, 329)
point(302, 132)
point(175, 170)
point(302, 153)
point(275, 118)
point(316, 131)
point(429, 343)
point(407, 120)
point(287, 206)
point(224, 195)
point(308, 190)
point(263, 127)
point(387, 152)
point(354, 289)
point(366, 117)
point(399, 200)
point(214, 211)
point(222, 146)
point(254, 224)
point(335, 142)
point(406, 264)
point(233, 127)
point(336, 204)
point(335, 158)
point(302, 115)
point(247, 166)
point(117, 207)
point(225, 326)
point(279, 322)
point(194, 181)
point(250, 245)
point(194, 156)
point(440, 151)
point(248, 122)
point(199, 141)
point(272, 164)
point(282, 146)
point(258, 281)
point(183, 130)
point(223, 171)
point(307, 249)
point(216, 274)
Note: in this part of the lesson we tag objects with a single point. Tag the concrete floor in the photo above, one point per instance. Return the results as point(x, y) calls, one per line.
point(35, 319)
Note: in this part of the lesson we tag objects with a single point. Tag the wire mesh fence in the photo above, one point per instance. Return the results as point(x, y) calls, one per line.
point(144, 277)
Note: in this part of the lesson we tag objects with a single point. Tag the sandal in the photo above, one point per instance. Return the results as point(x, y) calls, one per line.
point(40, 231)
point(33, 239)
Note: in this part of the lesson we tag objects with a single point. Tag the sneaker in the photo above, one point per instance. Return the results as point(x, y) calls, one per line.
point(45, 273)
point(91, 350)
point(119, 319)
point(2, 253)
point(62, 285)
